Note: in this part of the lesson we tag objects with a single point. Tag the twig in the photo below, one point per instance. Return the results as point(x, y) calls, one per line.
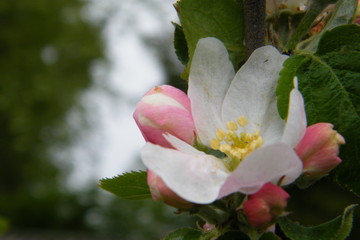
point(254, 15)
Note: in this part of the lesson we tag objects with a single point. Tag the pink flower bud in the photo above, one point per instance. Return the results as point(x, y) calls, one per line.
point(319, 150)
point(159, 191)
point(165, 109)
point(208, 227)
point(265, 206)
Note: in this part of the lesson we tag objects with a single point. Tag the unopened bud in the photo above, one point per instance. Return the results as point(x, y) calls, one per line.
point(318, 150)
point(265, 206)
point(159, 191)
point(165, 109)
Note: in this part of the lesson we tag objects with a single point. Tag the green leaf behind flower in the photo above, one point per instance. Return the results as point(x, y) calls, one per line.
point(4, 225)
point(269, 236)
point(187, 234)
point(233, 235)
point(181, 49)
point(212, 18)
point(336, 229)
point(330, 83)
point(131, 186)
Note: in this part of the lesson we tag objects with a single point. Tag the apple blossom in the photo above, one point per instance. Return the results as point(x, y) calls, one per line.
point(237, 121)
point(265, 206)
point(165, 109)
point(319, 150)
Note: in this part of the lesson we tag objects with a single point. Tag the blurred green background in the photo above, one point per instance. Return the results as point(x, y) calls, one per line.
point(47, 51)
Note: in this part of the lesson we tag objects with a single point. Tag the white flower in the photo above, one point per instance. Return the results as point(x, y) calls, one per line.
point(236, 115)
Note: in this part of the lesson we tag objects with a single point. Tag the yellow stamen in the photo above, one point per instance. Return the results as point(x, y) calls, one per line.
point(215, 144)
point(236, 145)
point(231, 126)
point(220, 134)
point(242, 121)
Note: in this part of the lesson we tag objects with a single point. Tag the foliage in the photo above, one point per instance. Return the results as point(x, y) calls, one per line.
point(140, 220)
point(337, 229)
point(130, 186)
point(330, 86)
point(46, 50)
point(220, 19)
point(185, 233)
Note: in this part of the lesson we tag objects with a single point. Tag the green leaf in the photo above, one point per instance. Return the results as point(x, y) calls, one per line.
point(188, 234)
point(130, 186)
point(336, 229)
point(269, 236)
point(4, 225)
point(343, 14)
point(291, 69)
point(212, 18)
point(181, 49)
point(233, 235)
point(330, 83)
point(215, 213)
point(340, 39)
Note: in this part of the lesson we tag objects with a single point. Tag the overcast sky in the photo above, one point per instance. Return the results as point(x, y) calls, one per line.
point(114, 142)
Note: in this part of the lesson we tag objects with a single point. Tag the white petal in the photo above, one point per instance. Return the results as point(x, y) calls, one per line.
point(181, 145)
point(271, 131)
point(210, 76)
point(266, 164)
point(194, 177)
point(252, 92)
point(296, 121)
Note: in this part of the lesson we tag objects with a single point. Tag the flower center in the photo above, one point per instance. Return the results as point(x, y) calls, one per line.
point(236, 145)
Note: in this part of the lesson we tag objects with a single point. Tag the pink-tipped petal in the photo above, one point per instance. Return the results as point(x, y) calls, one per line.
point(165, 109)
point(270, 163)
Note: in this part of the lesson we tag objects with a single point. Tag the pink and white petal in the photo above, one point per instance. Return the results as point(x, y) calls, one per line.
point(176, 94)
point(266, 164)
point(253, 88)
point(296, 120)
point(210, 76)
point(160, 99)
point(195, 177)
point(153, 121)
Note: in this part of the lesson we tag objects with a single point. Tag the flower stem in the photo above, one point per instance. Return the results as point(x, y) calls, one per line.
point(254, 16)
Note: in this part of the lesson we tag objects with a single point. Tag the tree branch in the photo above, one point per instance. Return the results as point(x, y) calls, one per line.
point(254, 14)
